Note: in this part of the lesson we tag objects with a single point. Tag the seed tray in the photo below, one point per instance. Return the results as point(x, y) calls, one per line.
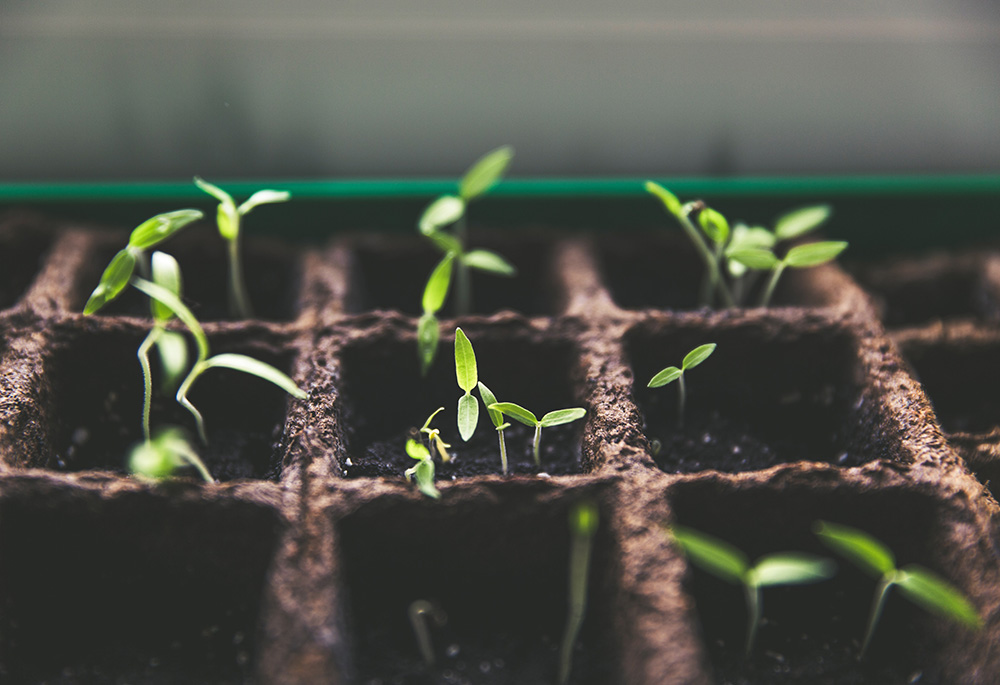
point(298, 566)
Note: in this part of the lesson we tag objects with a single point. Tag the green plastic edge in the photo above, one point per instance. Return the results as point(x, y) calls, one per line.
point(827, 186)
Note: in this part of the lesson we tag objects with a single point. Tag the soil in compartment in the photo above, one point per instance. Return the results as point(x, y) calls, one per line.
point(270, 270)
point(135, 589)
point(661, 271)
point(23, 247)
point(497, 569)
point(391, 273)
point(811, 634)
point(759, 400)
point(385, 401)
point(93, 390)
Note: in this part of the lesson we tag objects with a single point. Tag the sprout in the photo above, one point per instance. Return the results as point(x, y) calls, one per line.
point(434, 437)
point(423, 470)
point(428, 331)
point(419, 611)
point(729, 564)
point(237, 362)
point(553, 418)
point(496, 417)
point(916, 582)
point(672, 373)
point(583, 520)
point(799, 257)
point(229, 218)
point(161, 456)
point(468, 377)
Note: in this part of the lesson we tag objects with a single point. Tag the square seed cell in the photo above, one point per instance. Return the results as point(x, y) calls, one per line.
point(496, 568)
point(770, 393)
point(813, 633)
point(384, 401)
point(136, 588)
point(92, 395)
point(391, 274)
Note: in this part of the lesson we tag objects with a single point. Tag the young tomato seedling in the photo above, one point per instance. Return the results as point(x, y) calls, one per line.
point(672, 373)
point(583, 520)
point(428, 331)
point(204, 362)
point(434, 437)
point(799, 257)
point(229, 217)
point(553, 418)
point(729, 564)
point(468, 378)
point(496, 417)
point(423, 470)
point(914, 581)
point(420, 610)
point(160, 457)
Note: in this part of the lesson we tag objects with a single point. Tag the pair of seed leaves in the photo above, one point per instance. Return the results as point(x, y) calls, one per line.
point(691, 360)
point(468, 408)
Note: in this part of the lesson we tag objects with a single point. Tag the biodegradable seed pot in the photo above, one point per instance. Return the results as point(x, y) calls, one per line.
point(302, 562)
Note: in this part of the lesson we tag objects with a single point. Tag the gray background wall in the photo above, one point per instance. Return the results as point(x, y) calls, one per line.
point(139, 89)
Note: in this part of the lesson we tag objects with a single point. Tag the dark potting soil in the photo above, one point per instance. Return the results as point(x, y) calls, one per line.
point(22, 252)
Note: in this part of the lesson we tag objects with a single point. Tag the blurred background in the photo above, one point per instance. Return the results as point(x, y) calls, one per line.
point(143, 90)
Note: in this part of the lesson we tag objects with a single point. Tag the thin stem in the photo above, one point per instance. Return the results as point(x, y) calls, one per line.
point(753, 613)
point(182, 392)
point(418, 611)
point(579, 566)
point(765, 299)
point(463, 278)
point(681, 400)
point(147, 376)
point(239, 301)
point(503, 451)
point(878, 603)
point(190, 457)
point(715, 277)
point(708, 285)
point(537, 441)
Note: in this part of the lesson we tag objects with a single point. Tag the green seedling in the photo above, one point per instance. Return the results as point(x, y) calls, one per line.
point(204, 362)
point(468, 378)
point(489, 399)
point(423, 470)
point(148, 234)
point(553, 418)
point(914, 581)
point(583, 520)
point(798, 257)
point(730, 564)
point(160, 457)
point(446, 211)
point(228, 218)
point(672, 373)
point(419, 611)
point(434, 440)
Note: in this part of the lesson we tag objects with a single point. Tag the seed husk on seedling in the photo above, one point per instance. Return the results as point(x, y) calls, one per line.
point(917, 583)
point(468, 378)
point(672, 373)
point(229, 217)
point(419, 612)
point(727, 563)
point(204, 362)
point(159, 457)
point(434, 440)
point(496, 417)
point(553, 418)
point(423, 470)
point(583, 521)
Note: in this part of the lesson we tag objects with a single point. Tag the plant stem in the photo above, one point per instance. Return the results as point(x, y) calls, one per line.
point(765, 299)
point(579, 566)
point(463, 279)
point(708, 287)
point(239, 301)
point(503, 451)
point(714, 276)
point(753, 614)
point(878, 603)
point(681, 400)
point(534, 447)
point(419, 611)
point(182, 392)
point(147, 376)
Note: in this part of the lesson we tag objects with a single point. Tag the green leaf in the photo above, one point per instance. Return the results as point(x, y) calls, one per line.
point(937, 595)
point(755, 258)
point(179, 308)
point(484, 174)
point(468, 416)
point(484, 260)
point(214, 190)
point(255, 367)
point(227, 218)
point(166, 273)
point(444, 211)
point(813, 254)
point(160, 227)
point(798, 222)
point(417, 450)
point(437, 285)
point(423, 472)
point(561, 416)
point(428, 333)
point(173, 351)
point(584, 518)
point(791, 568)
point(516, 412)
point(489, 398)
point(745, 237)
point(667, 375)
point(715, 225)
point(668, 199)
point(465, 362)
point(713, 555)
point(697, 356)
point(263, 197)
point(858, 547)
point(114, 279)
point(151, 460)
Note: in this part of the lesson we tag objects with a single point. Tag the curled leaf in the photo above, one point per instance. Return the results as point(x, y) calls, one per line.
point(114, 279)
point(155, 230)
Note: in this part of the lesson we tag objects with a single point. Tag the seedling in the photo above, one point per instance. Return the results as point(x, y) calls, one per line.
point(468, 377)
point(204, 362)
point(160, 457)
point(446, 211)
point(730, 564)
point(583, 520)
point(799, 257)
point(149, 233)
point(672, 373)
point(553, 418)
point(423, 470)
point(434, 440)
point(914, 581)
point(496, 417)
point(228, 219)
point(419, 611)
